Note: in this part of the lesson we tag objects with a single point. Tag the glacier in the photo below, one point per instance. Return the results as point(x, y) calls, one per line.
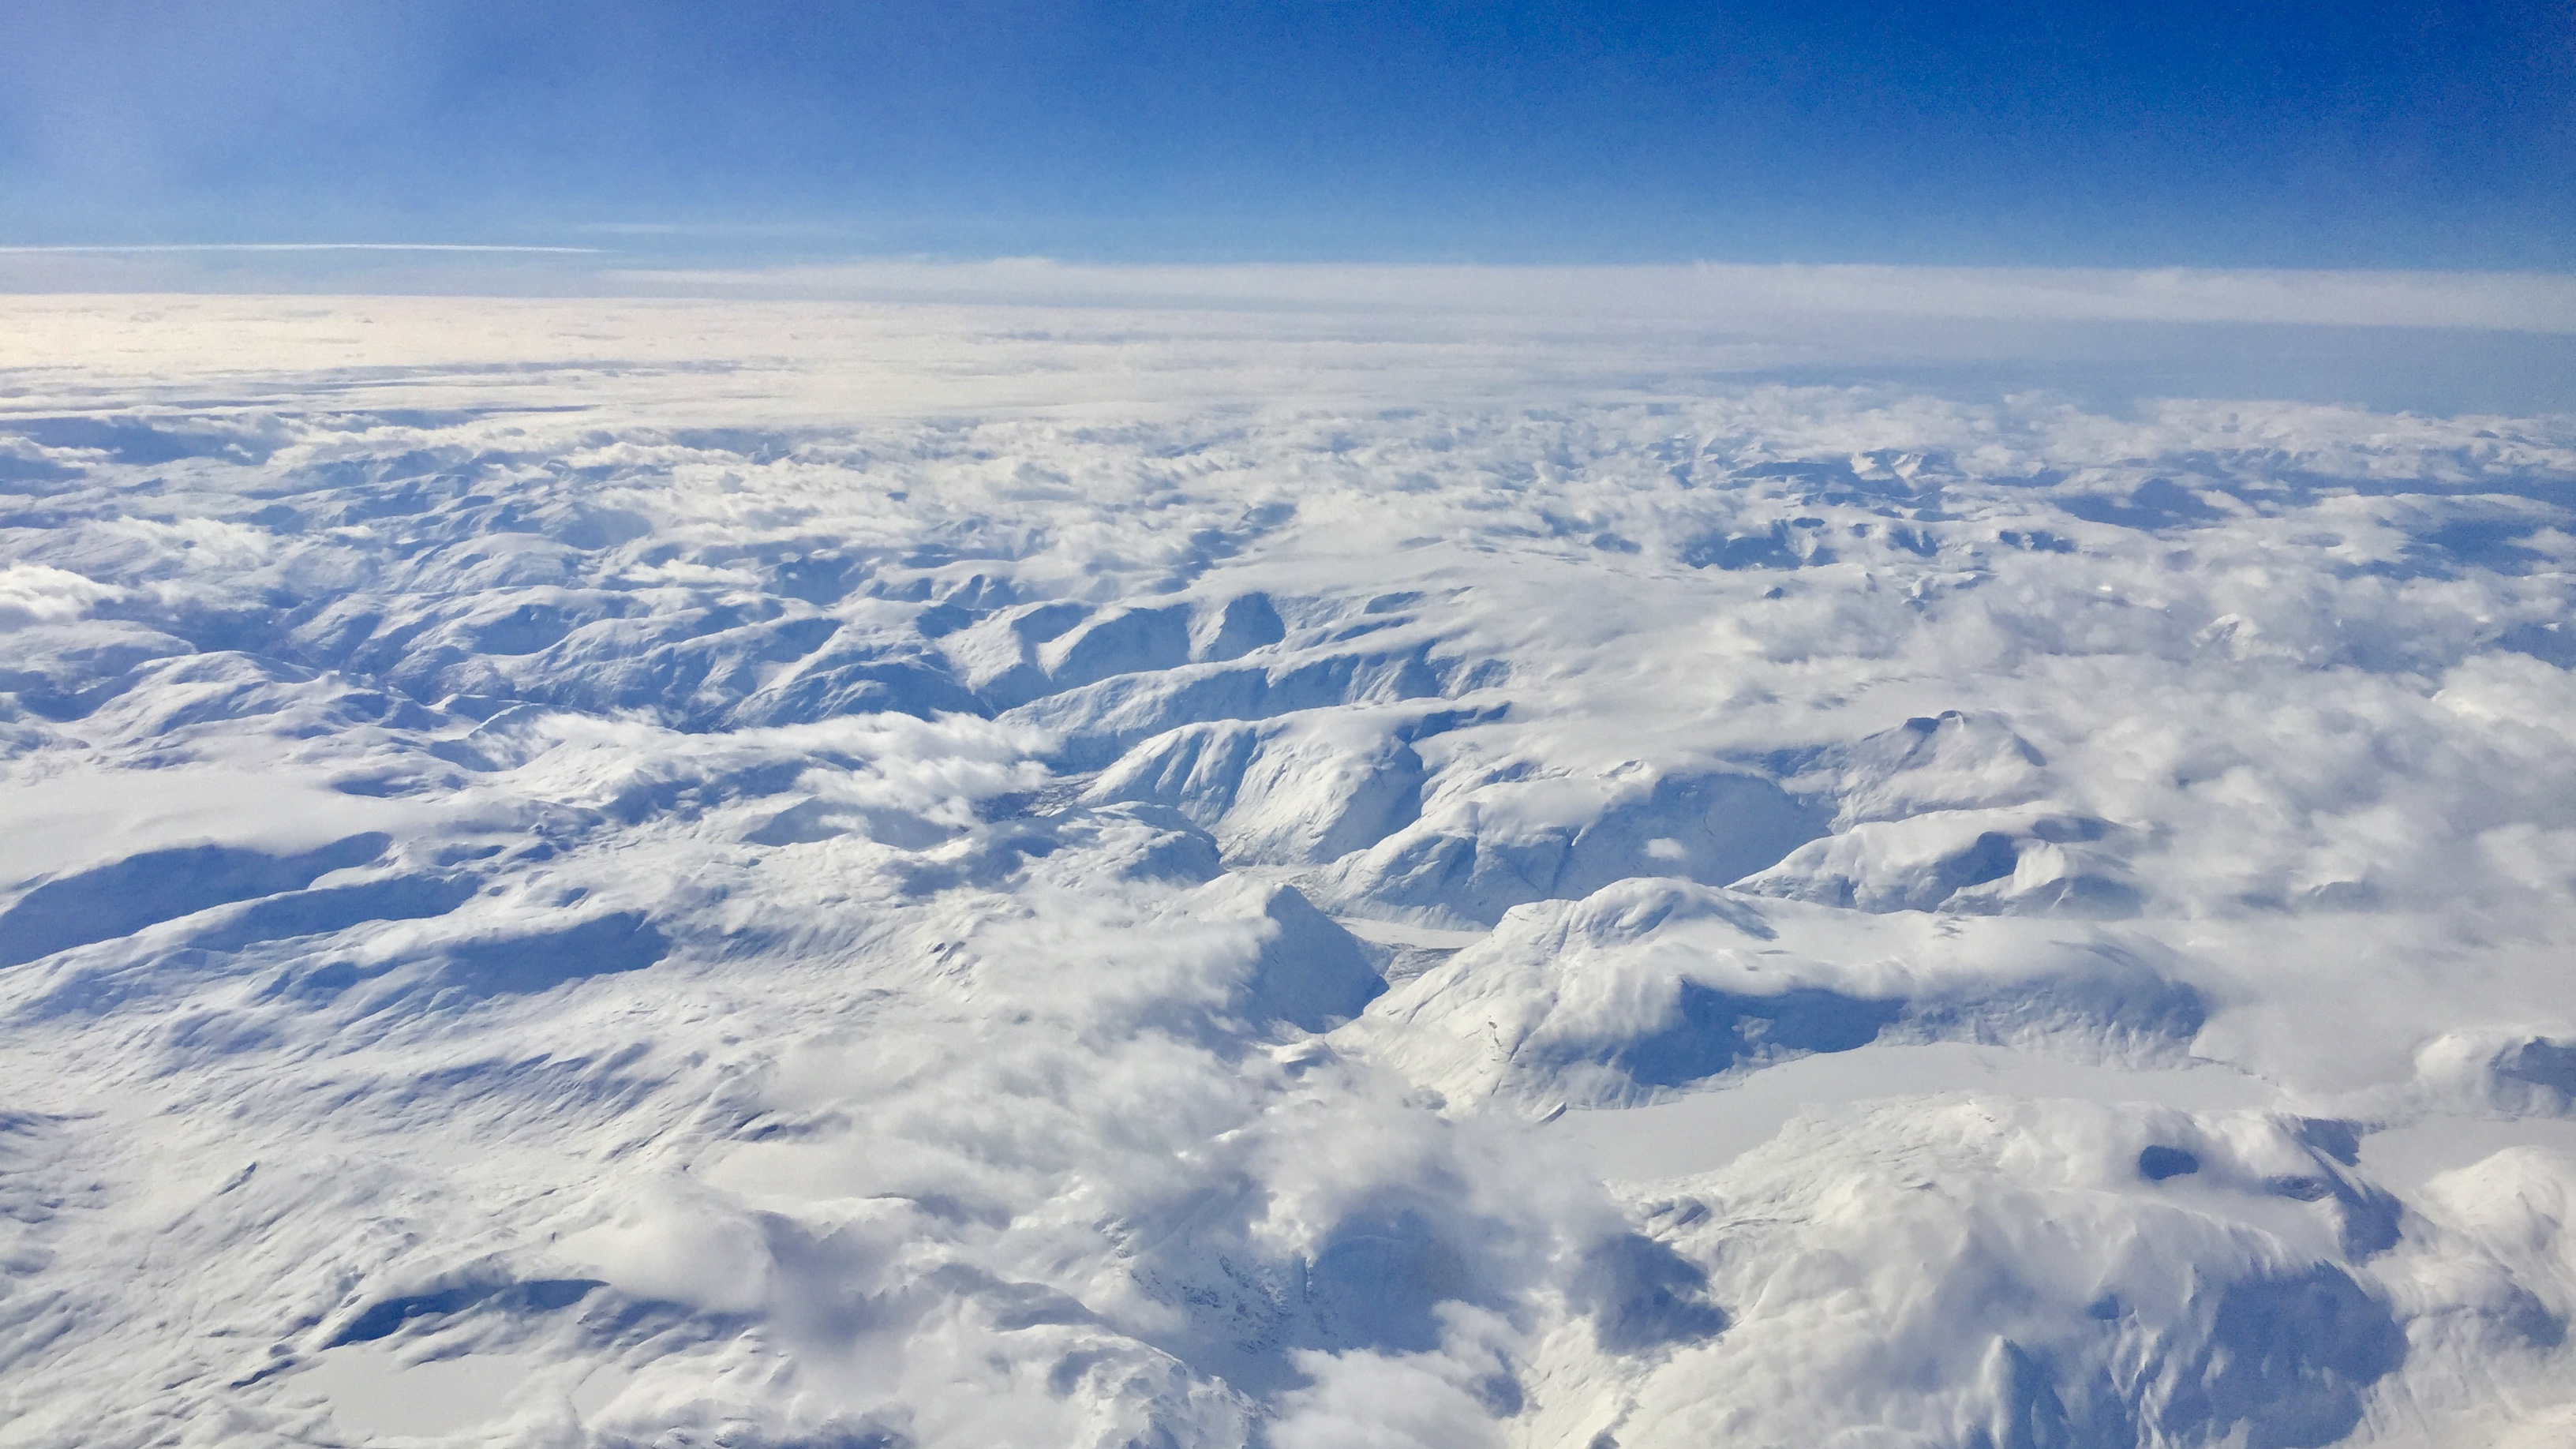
point(767, 873)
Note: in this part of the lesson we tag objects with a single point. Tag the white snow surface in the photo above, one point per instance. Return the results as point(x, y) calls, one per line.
point(797, 874)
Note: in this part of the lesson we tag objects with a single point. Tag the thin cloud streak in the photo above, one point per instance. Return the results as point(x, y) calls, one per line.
point(156, 247)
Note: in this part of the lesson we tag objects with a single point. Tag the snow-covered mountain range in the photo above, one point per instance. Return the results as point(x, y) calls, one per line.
point(757, 876)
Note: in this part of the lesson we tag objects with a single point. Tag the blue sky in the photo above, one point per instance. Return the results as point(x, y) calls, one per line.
point(2294, 134)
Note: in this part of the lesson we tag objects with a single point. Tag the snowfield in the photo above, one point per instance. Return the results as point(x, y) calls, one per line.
point(773, 874)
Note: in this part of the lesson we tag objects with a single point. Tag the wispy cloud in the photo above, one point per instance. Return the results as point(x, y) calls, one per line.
point(158, 247)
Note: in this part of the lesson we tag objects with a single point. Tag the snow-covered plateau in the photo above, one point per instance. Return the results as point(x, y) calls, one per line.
point(769, 874)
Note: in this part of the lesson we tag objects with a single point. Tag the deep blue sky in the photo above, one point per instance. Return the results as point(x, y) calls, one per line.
point(2285, 134)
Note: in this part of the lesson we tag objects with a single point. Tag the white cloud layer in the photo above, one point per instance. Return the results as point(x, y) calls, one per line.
point(1707, 292)
point(1695, 294)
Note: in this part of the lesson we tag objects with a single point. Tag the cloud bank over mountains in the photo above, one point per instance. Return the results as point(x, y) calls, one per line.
point(2524, 302)
point(867, 873)
point(1354, 335)
point(2539, 302)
